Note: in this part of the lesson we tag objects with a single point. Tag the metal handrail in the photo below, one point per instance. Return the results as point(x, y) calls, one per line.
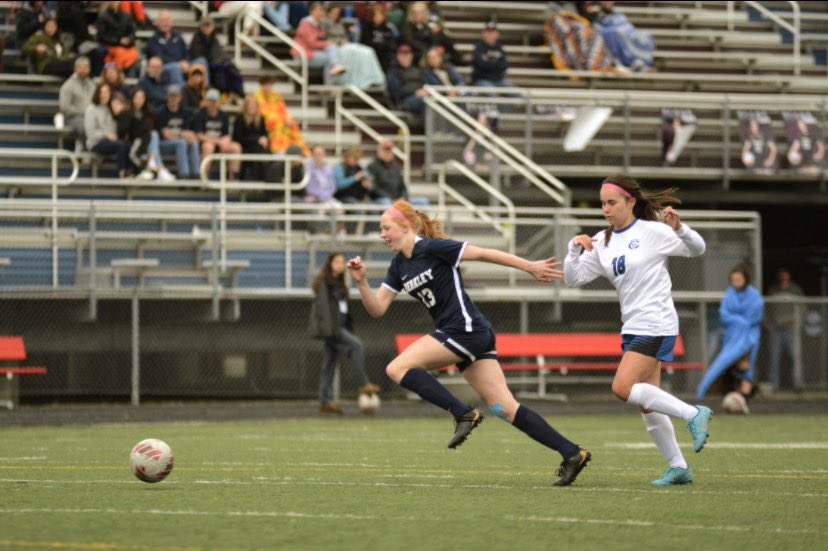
point(221, 185)
point(52, 154)
point(404, 155)
point(498, 147)
point(794, 28)
point(300, 79)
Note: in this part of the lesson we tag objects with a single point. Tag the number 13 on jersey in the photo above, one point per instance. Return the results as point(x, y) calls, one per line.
point(426, 297)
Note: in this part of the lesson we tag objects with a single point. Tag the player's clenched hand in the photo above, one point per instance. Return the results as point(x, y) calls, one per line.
point(584, 241)
point(357, 269)
point(544, 270)
point(672, 218)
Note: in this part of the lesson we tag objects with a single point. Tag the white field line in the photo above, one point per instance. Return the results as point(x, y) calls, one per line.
point(634, 523)
point(729, 445)
point(290, 481)
point(24, 458)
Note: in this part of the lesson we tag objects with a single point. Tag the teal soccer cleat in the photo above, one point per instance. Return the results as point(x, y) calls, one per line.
point(674, 476)
point(699, 427)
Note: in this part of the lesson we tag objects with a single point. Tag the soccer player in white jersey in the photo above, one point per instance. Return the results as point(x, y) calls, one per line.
point(632, 254)
point(427, 267)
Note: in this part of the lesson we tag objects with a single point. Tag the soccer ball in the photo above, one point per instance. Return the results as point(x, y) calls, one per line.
point(151, 460)
point(734, 402)
point(368, 403)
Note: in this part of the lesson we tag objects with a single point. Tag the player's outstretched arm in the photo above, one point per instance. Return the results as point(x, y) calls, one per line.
point(542, 270)
point(375, 303)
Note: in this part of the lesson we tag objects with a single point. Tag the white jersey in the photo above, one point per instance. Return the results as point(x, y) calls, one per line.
point(635, 262)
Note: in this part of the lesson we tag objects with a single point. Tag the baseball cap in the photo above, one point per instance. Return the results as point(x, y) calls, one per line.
point(490, 26)
point(173, 90)
point(206, 20)
point(213, 94)
point(404, 49)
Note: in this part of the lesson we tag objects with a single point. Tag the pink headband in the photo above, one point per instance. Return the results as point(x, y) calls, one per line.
point(395, 213)
point(614, 187)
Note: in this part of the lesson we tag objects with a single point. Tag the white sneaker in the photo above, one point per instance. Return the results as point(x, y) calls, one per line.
point(146, 174)
point(165, 175)
point(152, 164)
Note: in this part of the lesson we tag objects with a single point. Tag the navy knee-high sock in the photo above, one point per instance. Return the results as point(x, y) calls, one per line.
point(429, 389)
point(539, 430)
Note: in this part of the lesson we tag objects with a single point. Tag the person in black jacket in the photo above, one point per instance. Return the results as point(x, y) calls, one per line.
point(249, 131)
point(489, 63)
point(331, 321)
point(206, 46)
point(379, 35)
point(405, 82)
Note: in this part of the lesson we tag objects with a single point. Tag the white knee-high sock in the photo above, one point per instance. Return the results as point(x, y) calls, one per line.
point(653, 398)
point(661, 431)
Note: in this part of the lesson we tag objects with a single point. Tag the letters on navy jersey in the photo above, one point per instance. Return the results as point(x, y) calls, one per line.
point(432, 276)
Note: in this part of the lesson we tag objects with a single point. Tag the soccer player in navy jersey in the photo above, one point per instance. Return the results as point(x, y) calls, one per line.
point(427, 267)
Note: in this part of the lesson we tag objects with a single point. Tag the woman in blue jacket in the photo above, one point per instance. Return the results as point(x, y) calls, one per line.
point(741, 317)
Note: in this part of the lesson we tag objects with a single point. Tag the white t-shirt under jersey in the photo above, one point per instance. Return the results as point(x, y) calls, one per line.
point(635, 262)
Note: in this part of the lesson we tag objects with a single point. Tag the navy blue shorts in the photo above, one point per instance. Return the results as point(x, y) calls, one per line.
point(477, 345)
point(660, 348)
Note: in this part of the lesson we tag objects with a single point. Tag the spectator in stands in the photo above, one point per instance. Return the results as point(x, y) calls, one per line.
point(212, 128)
point(146, 118)
point(631, 48)
point(741, 315)
point(322, 186)
point(74, 27)
point(406, 81)
point(29, 19)
point(353, 184)
point(169, 45)
point(135, 9)
point(245, 10)
point(438, 72)
point(206, 46)
point(379, 35)
point(389, 184)
point(319, 50)
point(781, 322)
point(174, 123)
point(116, 79)
point(135, 133)
point(116, 33)
point(423, 31)
point(101, 130)
point(282, 129)
point(47, 53)
point(364, 69)
point(194, 93)
point(331, 321)
point(154, 83)
point(279, 14)
point(75, 95)
point(249, 131)
point(489, 62)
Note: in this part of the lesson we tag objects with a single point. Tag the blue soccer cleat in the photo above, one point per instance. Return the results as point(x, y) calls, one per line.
point(699, 427)
point(674, 476)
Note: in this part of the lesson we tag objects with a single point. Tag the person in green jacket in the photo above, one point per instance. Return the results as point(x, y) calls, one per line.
point(47, 54)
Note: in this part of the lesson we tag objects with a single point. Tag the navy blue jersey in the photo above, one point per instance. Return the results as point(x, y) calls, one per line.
point(432, 276)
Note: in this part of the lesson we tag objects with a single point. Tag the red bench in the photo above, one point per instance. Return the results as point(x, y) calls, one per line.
point(12, 349)
point(555, 356)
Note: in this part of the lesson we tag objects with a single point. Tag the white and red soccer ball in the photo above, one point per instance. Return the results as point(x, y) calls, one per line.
point(368, 403)
point(151, 460)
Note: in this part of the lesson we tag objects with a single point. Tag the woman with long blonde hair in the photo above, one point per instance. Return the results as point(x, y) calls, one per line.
point(427, 267)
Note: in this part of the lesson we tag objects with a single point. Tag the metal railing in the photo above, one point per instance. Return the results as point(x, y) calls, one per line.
point(794, 29)
point(55, 181)
point(403, 154)
point(300, 79)
point(523, 165)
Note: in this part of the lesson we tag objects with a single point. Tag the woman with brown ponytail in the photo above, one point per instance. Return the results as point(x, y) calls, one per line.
point(632, 254)
point(427, 267)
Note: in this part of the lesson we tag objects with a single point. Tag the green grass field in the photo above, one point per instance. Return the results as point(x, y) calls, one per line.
point(376, 484)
